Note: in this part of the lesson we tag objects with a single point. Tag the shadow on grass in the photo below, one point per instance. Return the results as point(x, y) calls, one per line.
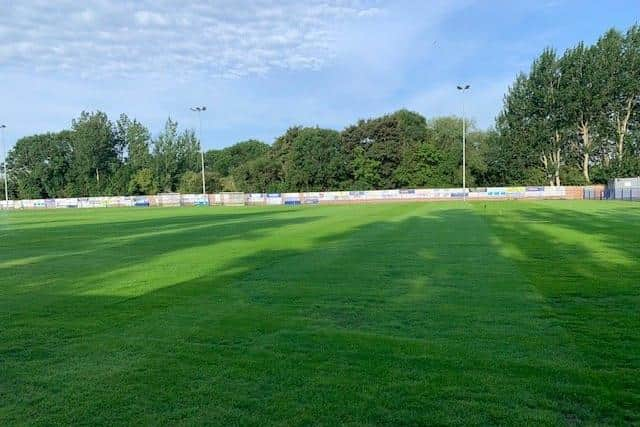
point(71, 254)
point(584, 261)
point(421, 320)
point(599, 247)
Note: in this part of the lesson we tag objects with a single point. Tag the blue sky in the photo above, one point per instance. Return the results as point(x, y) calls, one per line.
point(262, 66)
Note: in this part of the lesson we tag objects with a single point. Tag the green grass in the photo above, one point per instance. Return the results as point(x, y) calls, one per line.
point(421, 313)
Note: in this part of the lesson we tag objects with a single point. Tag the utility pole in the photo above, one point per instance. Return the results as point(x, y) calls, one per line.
point(199, 110)
point(463, 89)
point(4, 152)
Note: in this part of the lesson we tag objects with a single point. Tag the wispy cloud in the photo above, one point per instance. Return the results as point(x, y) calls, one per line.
point(263, 65)
point(231, 39)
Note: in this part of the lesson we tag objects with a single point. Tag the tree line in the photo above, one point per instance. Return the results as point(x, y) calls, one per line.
point(572, 119)
point(575, 117)
point(97, 156)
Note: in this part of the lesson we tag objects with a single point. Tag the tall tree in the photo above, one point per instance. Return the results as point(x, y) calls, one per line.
point(618, 63)
point(188, 151)
point(547, 122)
point(518, 155)
point(95, 153)
point(496, 162)
point(174, 154)
point(134, 141)
point(446, 138)
point(583, 98)
point(166, 157)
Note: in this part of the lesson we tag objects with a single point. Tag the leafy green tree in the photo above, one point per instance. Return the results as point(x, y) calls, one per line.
point(365, 170)
point(618, 64)
point(313, 161)
point(226, 160)
point(517, 151)
point(281, 149)
point(547, 121)
point(422, 168)
point(118, 181)
point(173, 154)
point(477, 149)
point(165, 158)
point(143, 182)
point(188, 151)
point(191, 182)
point(260, 175)
point(96, 153)
point(134, 140)
point(534, 123)
point(582, 90)
point(496, 156)
point(39, 165)
point(384, 142)
point(446, 138)
point(580, 110)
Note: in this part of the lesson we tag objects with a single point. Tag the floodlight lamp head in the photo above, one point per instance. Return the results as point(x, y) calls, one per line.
point(467, 87)
point(3, 126)
point(459, 87)
point(203, 108)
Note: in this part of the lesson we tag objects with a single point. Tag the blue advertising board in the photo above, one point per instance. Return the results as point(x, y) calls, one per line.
point(141, 202)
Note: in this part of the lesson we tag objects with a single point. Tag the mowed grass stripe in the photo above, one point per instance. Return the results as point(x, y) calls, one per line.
point(584, 262)
point(396, 314)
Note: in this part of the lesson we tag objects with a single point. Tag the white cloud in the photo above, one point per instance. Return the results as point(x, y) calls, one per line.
point(248, 61)
point(223, 38)
point(374, 11)
point(144, 17)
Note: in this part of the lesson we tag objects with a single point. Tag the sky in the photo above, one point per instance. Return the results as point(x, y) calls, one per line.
point(262, 66)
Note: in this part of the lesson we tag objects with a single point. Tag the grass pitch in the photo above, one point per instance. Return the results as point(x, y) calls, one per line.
point(514, 312)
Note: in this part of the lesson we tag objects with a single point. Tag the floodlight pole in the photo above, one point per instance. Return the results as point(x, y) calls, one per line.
point(4, 153)
point(204, 187)
point(463, 89)
point(199, 110)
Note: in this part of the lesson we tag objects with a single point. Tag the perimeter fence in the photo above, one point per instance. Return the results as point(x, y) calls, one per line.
point(304, 198)
point(625, 193)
